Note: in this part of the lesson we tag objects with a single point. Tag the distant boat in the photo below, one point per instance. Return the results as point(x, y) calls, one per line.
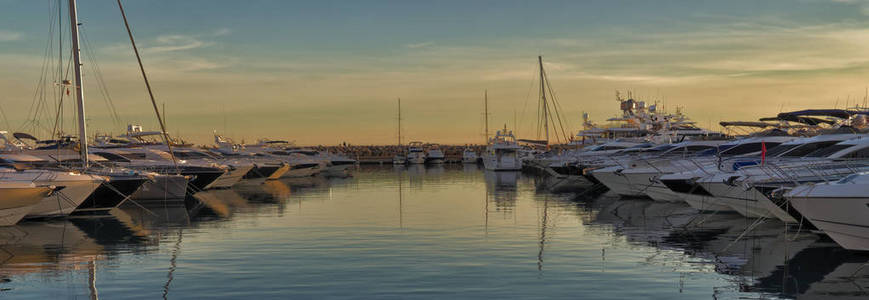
point(434, 155)
point(469, 156)
point(415, 154)
point(502, 153)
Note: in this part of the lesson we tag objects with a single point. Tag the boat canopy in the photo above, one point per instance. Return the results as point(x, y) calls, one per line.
point(535, 142)
point(838, 113)
point(21, 135)
point(746, 124)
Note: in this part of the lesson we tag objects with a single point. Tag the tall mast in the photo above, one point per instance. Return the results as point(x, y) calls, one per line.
point(79, 94)
point(486, 112)
point(399, 121)
point(543, 98)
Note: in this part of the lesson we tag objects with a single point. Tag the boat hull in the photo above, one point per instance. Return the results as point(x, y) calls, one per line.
point(231, 177)
point(843, 219)
point(162, 187)
point(17, 203)
point(70, 194)
point(110, 194)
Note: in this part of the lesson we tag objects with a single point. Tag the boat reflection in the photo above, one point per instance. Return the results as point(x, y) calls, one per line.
point(502, 188)
point(766, 257)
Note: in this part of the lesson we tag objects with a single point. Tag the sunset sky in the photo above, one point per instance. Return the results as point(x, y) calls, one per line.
point(324, 72)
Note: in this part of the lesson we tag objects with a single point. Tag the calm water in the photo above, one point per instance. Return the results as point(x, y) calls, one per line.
point(416, 232)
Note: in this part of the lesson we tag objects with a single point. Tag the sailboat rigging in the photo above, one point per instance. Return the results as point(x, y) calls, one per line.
point(549, 120)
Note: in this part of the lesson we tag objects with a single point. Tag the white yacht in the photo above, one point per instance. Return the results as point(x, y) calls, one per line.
point(683, 185)
point(434, 155)
point(263, 166)
point(745, 185)
point(415, 153)
point(301, 165)
point(635, 177)
point(839, 209)
point(469, 156)
point(502, 153)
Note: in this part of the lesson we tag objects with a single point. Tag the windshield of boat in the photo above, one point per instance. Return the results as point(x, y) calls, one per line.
point(609, 147)
point(805, 149)
point(691, 150)
point(747, 148)
point(824, 152)
point(647, 145)
point(132, 155)
point(191, 155)
point(112, 157)
point(661, 148)
point(777, 150)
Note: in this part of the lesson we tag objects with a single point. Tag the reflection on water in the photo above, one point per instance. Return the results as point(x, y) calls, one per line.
point(419, 232)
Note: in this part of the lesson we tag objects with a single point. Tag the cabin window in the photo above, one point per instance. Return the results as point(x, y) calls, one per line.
point(190, 155)
point(112, 157)
point(862, 153)
point(132, 156)
point(809, 148)
point(748, 148)
point(824, 152)
point(777, 150)
point(605, 148)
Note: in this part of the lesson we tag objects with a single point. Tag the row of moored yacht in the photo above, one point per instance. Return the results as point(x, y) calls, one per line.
point(820, 181)
point(47, 179)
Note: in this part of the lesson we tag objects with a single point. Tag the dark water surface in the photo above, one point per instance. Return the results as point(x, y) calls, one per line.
point(416, 232)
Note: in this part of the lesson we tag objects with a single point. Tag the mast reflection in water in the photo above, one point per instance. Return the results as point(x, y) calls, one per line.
point(418, 232)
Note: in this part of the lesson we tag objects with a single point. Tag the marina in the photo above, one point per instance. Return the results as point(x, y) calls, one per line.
point(646, 202)
point(306, 238)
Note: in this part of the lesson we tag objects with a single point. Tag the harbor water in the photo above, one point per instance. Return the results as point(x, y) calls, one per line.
point(451, 231)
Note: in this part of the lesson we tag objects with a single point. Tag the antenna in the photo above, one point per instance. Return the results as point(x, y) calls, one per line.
point(486, 112)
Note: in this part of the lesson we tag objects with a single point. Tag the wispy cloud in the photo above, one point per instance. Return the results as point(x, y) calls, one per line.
point(8, 36)
point(222, 32)
point(863, 5)
point(176, 42)
point(419, 45)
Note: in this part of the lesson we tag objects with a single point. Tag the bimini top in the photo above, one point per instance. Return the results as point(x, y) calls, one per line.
point(747, 124)
point(809, 116)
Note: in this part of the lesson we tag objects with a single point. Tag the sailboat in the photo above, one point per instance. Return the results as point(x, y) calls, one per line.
point(399, 158)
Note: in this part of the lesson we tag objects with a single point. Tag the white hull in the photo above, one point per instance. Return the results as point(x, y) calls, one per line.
point(616, 183)
point(162, 187)
point(638, 183)
point(706, 203)
point(417, 160)
point(502, 163)
point(303, 172)
point(659, 192)
point(11, 216)
point(230, 178)
point(18, 201)
point(840, 210)
point(67, 199)
point(279, 172)
point(435, 161)
point(843, 219)
point(749, 203)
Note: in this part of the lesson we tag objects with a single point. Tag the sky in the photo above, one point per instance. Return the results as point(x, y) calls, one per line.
point(326, 72)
